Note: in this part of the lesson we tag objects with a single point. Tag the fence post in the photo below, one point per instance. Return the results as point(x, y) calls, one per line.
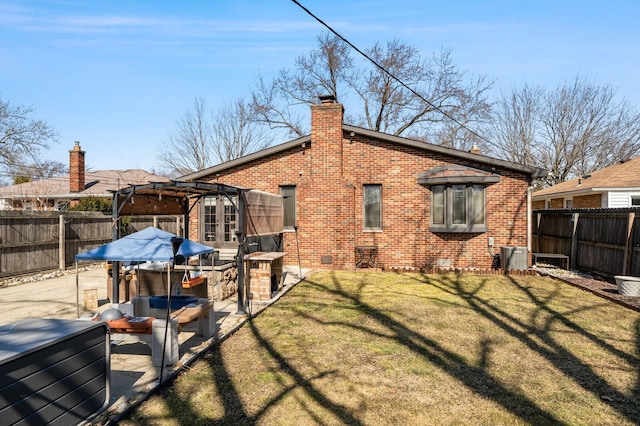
point(628, 248)
point(574, 241)
point(538, 238)
point(62, 243)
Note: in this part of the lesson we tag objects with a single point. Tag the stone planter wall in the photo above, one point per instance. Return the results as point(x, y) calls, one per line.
point(223, 281)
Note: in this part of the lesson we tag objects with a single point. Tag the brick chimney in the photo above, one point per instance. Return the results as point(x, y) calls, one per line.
point(328, 196)
point(326, 137)
point(76, 168)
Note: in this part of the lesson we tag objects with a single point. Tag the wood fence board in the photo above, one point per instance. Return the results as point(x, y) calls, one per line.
point(601, 238)
point(30, 241)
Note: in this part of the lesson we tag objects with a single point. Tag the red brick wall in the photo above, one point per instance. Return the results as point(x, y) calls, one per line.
point(329, 176)
point(557, 203)
point(593, 201)
point(537, 205)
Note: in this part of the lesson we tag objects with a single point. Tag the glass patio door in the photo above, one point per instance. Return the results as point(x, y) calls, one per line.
point(220, 220)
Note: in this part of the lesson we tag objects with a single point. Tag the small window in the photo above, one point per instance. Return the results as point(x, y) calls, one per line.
point(210, 224)
point(372, 195)
point(458, 208)
point(437, 205)
point(477, 209)
point(568, 203)
point(635, 200)
point(289, 200)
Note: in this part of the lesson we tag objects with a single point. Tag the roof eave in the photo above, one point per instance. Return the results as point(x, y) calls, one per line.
point(574, 192)
point(72, 195)
point(533, 171)
point(245, 159)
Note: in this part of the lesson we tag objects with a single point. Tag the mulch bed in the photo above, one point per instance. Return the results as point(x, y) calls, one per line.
point(603, 288)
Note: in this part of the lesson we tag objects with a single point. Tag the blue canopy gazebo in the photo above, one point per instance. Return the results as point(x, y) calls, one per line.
point(150, 244)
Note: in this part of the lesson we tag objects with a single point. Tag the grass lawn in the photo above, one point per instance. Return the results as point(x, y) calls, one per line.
point(405, 349)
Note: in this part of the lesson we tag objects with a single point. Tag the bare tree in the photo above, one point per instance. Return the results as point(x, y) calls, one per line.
point(190, 146)
point(385, 95)
point(322, 72)
point(390, 107)
point(43, 169)
point(515, 128)
point(202, 138)
point(22, 138)
point(571, 131)
point(235, 134)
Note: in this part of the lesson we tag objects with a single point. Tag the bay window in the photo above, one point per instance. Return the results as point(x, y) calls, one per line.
point(458, 208)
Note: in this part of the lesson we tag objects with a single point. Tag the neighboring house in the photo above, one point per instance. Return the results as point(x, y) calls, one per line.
point(61, 192)
point(615, 186)
point(420, 205)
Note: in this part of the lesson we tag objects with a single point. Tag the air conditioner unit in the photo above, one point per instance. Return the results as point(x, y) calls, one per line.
point(514, 258)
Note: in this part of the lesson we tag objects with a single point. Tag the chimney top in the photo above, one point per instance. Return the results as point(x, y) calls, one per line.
point(76, 146)
point(474, 149)
point(327, 99)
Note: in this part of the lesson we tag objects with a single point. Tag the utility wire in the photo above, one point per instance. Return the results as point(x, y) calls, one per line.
point(486, 202)
point(384, 70)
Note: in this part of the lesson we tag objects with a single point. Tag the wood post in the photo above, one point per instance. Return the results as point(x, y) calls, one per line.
point(574, 241)
point(538, 238)
point(62, 255)
point(628, 247)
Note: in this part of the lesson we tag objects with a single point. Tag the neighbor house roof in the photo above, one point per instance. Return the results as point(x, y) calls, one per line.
point(533, 171)
point(622, 176)
point(97, 184)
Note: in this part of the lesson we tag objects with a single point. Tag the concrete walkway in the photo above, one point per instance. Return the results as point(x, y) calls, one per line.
point(133, 376)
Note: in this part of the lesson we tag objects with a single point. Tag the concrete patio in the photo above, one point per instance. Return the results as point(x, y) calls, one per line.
point(132, 374)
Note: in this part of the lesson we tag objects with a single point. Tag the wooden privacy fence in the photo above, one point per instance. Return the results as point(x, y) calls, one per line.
point(39, 241)
point(601, 241)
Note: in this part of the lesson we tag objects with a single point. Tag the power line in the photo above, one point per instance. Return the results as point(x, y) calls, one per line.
point(389, 73)
point(486, 201)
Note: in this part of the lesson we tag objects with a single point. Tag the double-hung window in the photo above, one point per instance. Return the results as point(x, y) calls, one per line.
point(372, 200)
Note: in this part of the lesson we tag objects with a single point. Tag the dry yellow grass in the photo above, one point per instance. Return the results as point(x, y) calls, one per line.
point(383, 348)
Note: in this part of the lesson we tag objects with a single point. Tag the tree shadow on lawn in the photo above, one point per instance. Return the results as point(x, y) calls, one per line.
point(539, 339)
point(536, 338)
point(475, 377)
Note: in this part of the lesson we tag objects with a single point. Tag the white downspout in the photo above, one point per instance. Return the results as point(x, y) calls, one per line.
point(529, 191)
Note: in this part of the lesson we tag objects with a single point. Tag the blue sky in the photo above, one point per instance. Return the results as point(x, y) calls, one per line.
point(115, 75)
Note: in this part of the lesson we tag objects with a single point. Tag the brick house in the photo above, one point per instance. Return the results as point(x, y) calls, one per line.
point(615, 186)
point(61, 192)
point(345, 187)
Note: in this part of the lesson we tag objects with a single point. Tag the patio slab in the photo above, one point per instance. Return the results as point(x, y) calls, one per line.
point(133, 376)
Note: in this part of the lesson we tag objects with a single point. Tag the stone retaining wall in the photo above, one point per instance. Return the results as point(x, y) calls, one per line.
point(223, 281)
